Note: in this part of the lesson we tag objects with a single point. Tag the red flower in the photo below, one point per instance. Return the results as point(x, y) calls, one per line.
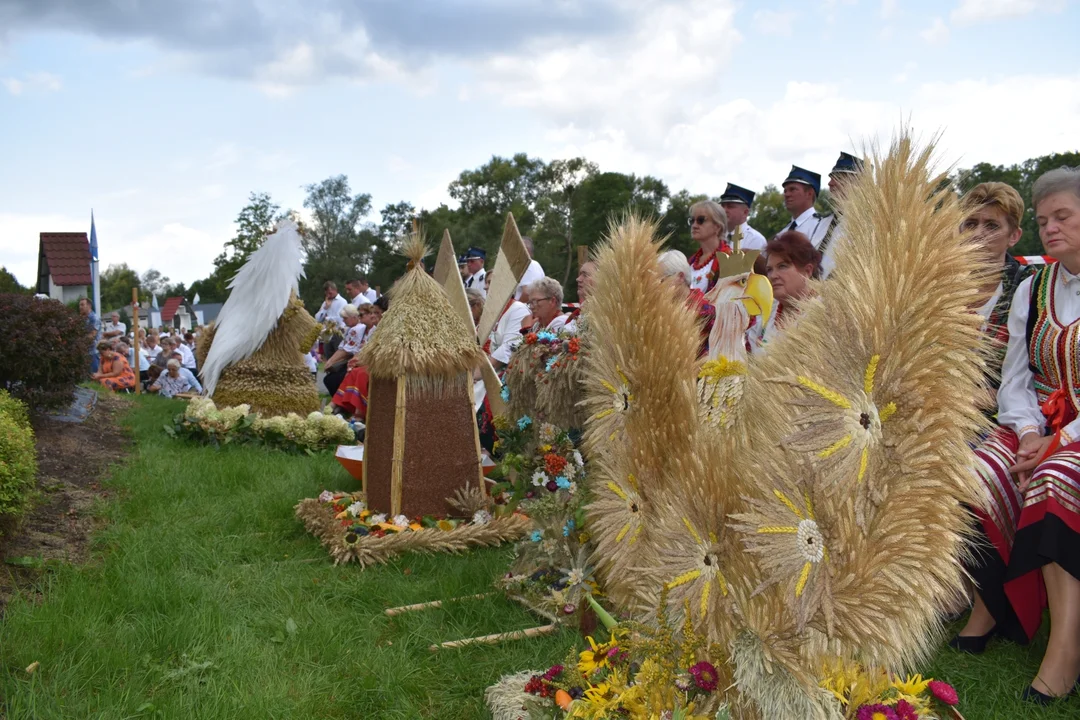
point(876, 712)
point(535, 685)
point(944, 692)
point(530, 339)
point(553, 672)
point(904, 711)
point(573, 345)
point(554, 464)
point(704, 675)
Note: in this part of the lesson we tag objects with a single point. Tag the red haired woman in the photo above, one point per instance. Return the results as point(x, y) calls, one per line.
point(790, 263)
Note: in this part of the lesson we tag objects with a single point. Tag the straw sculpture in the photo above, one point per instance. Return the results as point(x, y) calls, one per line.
point(254, 353)
point(826, 519)
point(319, 519)
point(422, 442)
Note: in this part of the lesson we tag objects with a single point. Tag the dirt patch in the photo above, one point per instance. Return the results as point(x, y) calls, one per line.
point(72, 459)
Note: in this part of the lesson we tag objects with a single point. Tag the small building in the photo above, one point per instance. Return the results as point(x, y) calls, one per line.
point(64, 265)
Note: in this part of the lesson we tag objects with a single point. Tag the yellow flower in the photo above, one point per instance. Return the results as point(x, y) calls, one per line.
point(445, 525)
point(911, 685)
point(595, 657)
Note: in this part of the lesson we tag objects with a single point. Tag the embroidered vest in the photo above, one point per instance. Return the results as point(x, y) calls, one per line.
point(1053, 348)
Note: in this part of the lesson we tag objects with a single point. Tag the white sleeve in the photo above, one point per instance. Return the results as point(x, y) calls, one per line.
point(1018, 406)
point(511, 338)
point(532, 273)
point(354, 337)
point(320, 314)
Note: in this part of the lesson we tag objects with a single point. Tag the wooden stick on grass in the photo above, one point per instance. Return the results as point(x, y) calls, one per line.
point(497, 637)
point(430, 605)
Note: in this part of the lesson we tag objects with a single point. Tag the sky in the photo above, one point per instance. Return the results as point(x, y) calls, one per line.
point(162, 116)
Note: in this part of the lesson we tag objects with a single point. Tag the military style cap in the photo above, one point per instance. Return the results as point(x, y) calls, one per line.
point(847, 164)
point(804, 176)
point(736, 194)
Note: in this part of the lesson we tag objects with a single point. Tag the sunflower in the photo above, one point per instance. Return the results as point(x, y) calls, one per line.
point(840, 429)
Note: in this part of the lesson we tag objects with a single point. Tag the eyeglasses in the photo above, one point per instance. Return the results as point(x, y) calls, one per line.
point(534, 301)
point(699, 220)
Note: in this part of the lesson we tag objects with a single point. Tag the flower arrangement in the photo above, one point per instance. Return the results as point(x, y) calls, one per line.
point(329, 329)
point(867, 694)
point(639, 672)
point(359, 521)
point(205, 422)
point(542, 472)
point(353, 532)
point(543, 378)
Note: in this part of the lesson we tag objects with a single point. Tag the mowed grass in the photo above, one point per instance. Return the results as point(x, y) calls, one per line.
point(205, 598)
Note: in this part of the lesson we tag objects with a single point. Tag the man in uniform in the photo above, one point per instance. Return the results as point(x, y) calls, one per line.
point(736, 202)
point(801, 190)
point(474, 263)
point(846, 169)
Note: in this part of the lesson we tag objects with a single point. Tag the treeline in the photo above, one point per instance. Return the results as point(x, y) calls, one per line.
point(561, 204)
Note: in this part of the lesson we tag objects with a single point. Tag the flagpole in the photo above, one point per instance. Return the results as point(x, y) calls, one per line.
point(94, 264)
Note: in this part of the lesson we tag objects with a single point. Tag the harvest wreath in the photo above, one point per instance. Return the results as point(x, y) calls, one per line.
point(353, 533)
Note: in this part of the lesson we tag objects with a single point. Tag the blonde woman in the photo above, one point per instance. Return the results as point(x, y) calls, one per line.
point(708, 228)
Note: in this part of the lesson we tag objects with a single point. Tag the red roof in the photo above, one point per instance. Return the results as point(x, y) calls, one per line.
point(169, 309)
point(67, 255)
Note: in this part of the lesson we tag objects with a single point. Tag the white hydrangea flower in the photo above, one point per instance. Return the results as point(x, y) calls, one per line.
point(481, 517)
point(376, 519)
point(356, 508)
point(578, 459)
point(400, 521)
point(326, 496)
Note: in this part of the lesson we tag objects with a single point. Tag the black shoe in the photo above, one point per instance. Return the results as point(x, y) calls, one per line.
point(1032, 695)
point(972, 644)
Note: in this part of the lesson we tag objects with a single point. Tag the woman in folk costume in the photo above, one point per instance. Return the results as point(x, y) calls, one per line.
point(708, 228)
point(1031, 464)
point(791, 262)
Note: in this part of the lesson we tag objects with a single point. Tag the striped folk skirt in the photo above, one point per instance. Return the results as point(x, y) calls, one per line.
point(1023, 532)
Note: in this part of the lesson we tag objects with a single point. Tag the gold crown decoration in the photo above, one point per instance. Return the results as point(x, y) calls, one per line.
point(737, 262)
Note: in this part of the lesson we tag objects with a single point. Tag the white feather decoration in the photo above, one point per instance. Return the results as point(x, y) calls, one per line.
point(260, 293)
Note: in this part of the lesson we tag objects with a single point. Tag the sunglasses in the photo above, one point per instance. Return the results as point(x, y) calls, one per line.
point(699, 220)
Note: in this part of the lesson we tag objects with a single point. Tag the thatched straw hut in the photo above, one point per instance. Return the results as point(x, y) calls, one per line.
point(422, 442)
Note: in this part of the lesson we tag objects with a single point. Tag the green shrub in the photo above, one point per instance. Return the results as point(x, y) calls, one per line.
point(46, 349)
point(18, 461)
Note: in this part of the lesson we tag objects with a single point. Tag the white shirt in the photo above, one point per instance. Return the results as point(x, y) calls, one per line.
point(532, 273)
point(114, 327)
point(828, 257)
point(555, 325)
point(813, 225)
point(506, 335)
point(985, 310)
point(1018, 405)
point(476, 281)
point(153, 352)
point(751, 238)
point(370, 294)
point(144, 360)
point(187, 358)
point(333, 313)
point(354, 338)
point(360, 299)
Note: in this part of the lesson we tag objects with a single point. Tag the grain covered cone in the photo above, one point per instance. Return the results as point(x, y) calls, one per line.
point(421, 435)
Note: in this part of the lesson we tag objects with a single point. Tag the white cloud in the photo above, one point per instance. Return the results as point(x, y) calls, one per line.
point(888, 9)
point(937, 33)
point(43, 81)
point(974, 11)
point(19, 240)
point(904, 75)
point(775, 22)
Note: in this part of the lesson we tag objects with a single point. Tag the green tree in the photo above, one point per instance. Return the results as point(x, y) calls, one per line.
point(554, 231)
point(116, 282)
point(154, 283)
point(673, 223)
point(768, 215)
point(387, 262)
point(337, 243)
point(10, 284)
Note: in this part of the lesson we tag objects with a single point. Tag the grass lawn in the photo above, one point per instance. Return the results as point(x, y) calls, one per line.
point(205, 598)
